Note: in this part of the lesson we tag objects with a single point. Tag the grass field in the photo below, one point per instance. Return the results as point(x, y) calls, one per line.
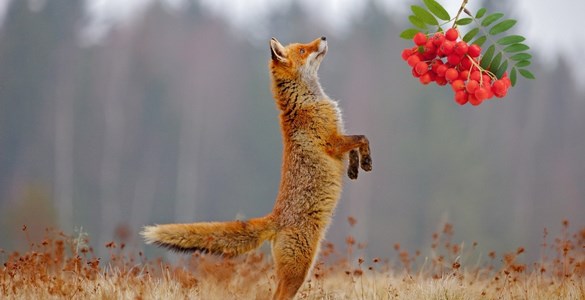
point(65, 267)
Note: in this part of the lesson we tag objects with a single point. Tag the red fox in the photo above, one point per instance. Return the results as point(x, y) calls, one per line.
point(315, 147)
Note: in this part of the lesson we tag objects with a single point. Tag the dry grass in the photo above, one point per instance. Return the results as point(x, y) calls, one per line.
point(62, 266)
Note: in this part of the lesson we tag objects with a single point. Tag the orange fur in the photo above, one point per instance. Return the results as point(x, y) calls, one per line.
point(315, 148)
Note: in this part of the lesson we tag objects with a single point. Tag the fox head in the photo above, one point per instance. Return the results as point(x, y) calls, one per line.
point(297, 61)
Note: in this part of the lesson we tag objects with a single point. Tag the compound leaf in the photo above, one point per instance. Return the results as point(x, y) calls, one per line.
point(486, 59)
point(471, 34)
point(516, 48)
point(409, 33)
point(417, 22)
point(502, 26)
point(511, 39)
point(526, 74)
point(521, 56)
point(437, 9)
point(522, 64)
point(480, 13)
point(513, 76)
point(464, 21)
point(480, 40)
point(491, 18)
point(424, 15)
point(496, 62)
point(501, 69)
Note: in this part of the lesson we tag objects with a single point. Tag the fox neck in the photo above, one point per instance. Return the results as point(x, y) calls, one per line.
point(289, 93)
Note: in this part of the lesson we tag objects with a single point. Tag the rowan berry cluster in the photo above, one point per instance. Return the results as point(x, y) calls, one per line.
point(445, 59)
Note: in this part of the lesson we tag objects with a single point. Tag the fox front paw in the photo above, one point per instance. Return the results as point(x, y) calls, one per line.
point(366, 163)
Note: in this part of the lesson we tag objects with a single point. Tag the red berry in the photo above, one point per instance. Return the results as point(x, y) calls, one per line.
point(458, 85)
point(471, 86)
point(461, 48)
point(453, 59)
point(438, 38)
point(507, 81)
point(451, 34)
point(430, 47)
point(413, 60)
point(499, 88)
point(432, 74)
point(447, 47)
point(463, 75)
point(451, 74)
point(499, 85)
point(421, 67)
point(481, 93)
point(461, 97)
point(441, 70)
point(473, 100)
point(406, 53)
point(475, 75)
point(420, 39)
point(425, 78)
point(474, 50)
point(441, 80)
point(487, 80)
point(414, 73)
point(465, 63)
point(435, 64)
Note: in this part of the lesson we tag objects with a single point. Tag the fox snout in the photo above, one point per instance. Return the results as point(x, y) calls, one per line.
point(322, 46)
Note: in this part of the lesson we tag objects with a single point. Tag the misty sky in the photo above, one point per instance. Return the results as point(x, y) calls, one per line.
point(551, 28)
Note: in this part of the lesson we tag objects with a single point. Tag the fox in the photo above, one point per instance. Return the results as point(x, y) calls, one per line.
point(315, 151)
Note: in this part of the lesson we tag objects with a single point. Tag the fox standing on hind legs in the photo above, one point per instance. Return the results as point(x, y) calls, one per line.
point(315, 148)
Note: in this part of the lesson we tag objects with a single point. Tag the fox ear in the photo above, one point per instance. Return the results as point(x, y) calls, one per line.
point(277, 50)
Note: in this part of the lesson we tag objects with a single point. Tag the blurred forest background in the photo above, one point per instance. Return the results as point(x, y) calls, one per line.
point(168, 117)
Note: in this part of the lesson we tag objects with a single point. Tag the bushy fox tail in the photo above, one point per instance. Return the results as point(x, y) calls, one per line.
point(225, 238)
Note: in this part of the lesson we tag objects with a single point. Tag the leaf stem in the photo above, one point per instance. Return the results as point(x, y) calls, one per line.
point(459, 12)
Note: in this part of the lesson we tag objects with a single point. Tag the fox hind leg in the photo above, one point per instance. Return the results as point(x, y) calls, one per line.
point(293, 256)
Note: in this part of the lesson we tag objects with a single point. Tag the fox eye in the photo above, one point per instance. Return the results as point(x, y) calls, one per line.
point(302, 51)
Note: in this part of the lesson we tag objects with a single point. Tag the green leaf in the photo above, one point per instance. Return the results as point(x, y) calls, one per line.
point(496, 62)
point(491, 18)
point(501, 69)
point(513, 76)
point(511, 39)
point(521, 56)
point(486, 59)
point(417, 22)
point(502, 26)
point(516, 48)
point(480, 40)
point(464, 21)
point(522, 63)
point(437, 9)
point(526, 74)
point(409, 33)
point(424, 15)
point(468, 36)
point(480, 13)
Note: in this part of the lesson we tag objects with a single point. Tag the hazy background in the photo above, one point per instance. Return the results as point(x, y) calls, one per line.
point(117, 114)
